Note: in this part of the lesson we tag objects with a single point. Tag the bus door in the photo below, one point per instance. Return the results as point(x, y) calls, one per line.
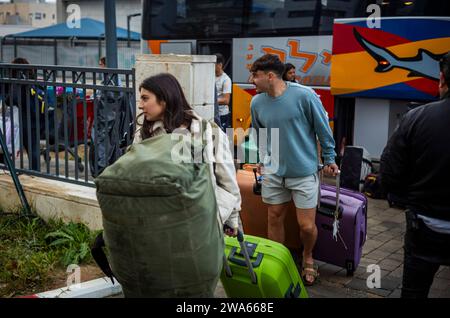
point(224, 47)
point(211, 47)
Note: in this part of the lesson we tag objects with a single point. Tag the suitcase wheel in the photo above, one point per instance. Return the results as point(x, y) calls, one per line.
point(350, 266)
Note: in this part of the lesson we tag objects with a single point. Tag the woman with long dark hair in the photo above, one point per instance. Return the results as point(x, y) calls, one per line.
point(164, 106)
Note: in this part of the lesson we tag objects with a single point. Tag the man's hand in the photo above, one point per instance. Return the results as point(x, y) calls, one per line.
point(331, 169)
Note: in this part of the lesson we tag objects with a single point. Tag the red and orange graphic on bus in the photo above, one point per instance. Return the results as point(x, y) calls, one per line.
point(398, 61)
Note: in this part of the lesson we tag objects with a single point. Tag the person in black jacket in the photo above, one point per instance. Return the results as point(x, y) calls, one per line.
point(18, 95)
point(415, 165)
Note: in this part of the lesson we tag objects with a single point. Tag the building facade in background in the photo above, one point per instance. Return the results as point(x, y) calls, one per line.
point(35, 13)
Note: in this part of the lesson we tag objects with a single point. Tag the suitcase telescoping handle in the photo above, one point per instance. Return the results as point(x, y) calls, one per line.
point(338, 190)
point(248, 262)
point(336, 212)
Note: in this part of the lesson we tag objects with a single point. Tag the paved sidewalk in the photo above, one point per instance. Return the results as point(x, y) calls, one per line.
point(384, 247)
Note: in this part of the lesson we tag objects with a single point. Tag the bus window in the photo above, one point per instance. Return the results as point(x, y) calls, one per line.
point(298, 17)
point(434, 8)
point(279, 17)
point(315, 17)
point(191, 19)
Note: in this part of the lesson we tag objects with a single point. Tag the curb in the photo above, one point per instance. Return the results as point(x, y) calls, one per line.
point(97, 288)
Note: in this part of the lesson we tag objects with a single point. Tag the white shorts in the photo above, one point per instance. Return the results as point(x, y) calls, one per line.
point(279, 190)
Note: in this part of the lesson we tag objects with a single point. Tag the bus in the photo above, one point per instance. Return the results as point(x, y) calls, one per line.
point(298, 31)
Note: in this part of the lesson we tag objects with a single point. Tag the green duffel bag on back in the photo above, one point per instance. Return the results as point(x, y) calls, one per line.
point(160, 222)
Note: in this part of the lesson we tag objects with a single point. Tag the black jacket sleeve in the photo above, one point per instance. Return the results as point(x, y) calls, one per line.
point(394, 164)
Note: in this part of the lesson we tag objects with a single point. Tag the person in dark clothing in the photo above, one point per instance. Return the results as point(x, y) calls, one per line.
point(18, 95)
point(415, 166)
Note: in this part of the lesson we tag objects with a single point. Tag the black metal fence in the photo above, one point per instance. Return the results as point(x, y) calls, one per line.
point(66, 123)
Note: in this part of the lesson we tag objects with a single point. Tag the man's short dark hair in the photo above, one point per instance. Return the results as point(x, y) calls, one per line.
point(444, 65)
point(103, 60)
point(220, 59)
point(268, 63)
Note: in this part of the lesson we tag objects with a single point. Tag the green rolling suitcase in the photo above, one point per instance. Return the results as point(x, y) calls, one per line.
point(267, 270)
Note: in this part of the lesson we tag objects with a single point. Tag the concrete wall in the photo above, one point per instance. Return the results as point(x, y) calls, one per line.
point(47, 12)
point(194, 72)
point(53, 200)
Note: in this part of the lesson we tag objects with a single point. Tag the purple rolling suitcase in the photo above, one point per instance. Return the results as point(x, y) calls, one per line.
point(351, 210)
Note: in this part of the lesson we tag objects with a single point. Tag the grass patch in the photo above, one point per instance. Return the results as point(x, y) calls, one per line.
point(31, 250)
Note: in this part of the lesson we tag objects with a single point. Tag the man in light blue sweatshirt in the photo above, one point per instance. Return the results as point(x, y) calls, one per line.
point(294, 118)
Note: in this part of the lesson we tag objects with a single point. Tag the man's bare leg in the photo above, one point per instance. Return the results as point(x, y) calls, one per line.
point(276, 216)
point(306, 219)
